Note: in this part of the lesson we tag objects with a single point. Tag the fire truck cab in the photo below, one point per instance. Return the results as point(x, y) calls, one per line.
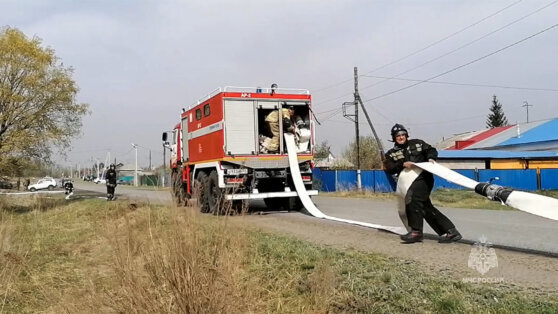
point(219, 154)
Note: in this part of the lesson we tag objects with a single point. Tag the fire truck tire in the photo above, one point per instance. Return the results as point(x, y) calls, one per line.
point(284, 203)
point(273, 203)
point(177, 188)
point(292, 204)
point(240, 206)
point(214, 194)
point(200, 191)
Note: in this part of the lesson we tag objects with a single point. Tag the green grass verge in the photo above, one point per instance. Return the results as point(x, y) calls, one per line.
point(97, 256)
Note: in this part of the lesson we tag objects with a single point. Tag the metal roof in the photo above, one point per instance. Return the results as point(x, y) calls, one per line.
point(538, 135)
point(510, 133)
point(544, 132)
point(495, 154)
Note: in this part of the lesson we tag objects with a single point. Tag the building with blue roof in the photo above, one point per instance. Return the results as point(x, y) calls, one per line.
point(531, 145)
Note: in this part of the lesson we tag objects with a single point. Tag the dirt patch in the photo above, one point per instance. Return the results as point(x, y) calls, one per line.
point(514, 268)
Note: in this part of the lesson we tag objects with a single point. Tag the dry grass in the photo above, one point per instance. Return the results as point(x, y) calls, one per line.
point(112, 257)
point(174, 264)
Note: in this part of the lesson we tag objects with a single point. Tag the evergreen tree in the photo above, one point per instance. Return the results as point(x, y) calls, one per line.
point(496, 117)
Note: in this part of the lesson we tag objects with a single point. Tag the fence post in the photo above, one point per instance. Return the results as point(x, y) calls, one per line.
point(477, 174)
point(539, 185)
point(336, 181)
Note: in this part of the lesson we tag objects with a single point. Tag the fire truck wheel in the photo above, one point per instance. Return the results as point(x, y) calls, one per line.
point(273, 203)
point(200, 191)
point(177, 188)
point(214, 194)
point(292, 204)
point(240, 206)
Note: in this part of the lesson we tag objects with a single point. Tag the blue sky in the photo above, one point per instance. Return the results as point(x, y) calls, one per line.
point(137, 63)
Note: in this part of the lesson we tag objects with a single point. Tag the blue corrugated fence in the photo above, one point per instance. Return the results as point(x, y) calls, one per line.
point(379, 181)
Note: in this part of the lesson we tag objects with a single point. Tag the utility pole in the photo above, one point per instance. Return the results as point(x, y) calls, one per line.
point(378, 142)
point(359, 180)
point(355, 120)
point(136, 169)
point(526, 105)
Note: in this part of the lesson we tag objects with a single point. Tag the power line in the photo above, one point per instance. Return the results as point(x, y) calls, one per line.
point(338, 111)
point(424, 48)
point(444, 39)
point(465, 64)
point(448, 121)
point(331, 86)
point(466, 45)
point(465, 84)
point(322, 112)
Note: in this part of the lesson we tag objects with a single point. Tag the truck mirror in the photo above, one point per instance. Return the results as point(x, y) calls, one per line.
point(164, 137)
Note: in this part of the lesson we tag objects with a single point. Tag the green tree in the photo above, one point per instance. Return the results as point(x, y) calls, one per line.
point(369, 153)
point(496, 117)
point(38, 108)
point(321, 151)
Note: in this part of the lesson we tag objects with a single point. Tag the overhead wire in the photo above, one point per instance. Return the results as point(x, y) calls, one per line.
point(448, 121)
point(338, 111)
point(465, 64)
point(463, 46)
point(465, 84)
point(419, 50)
point(443, 39)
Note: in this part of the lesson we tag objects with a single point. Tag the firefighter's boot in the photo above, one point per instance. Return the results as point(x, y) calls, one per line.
point(412, 237)
point(451, 236)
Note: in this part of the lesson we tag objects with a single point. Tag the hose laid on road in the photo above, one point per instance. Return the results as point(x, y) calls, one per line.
point(535, 204)
point(307, 202)
point(27, 193)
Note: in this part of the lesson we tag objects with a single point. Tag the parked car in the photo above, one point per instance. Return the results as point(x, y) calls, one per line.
point(6, 184)
point(122, 182)
point(89, 177)
point(44, 183)
point(100, 180)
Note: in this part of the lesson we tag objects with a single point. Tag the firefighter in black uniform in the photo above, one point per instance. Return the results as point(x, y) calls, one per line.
point(110, 178)
point(68, 187)
point(404, 154)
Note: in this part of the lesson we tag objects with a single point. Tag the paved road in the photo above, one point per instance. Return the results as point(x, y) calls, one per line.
point(505, 228)
point(137, 194)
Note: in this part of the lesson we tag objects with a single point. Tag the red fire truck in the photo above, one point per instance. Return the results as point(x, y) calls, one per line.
point(217, 156)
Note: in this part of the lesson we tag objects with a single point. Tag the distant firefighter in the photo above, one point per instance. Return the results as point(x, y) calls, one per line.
point(111, 178)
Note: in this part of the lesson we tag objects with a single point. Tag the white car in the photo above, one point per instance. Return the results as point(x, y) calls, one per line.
point(101, 181)
point(44, 183)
